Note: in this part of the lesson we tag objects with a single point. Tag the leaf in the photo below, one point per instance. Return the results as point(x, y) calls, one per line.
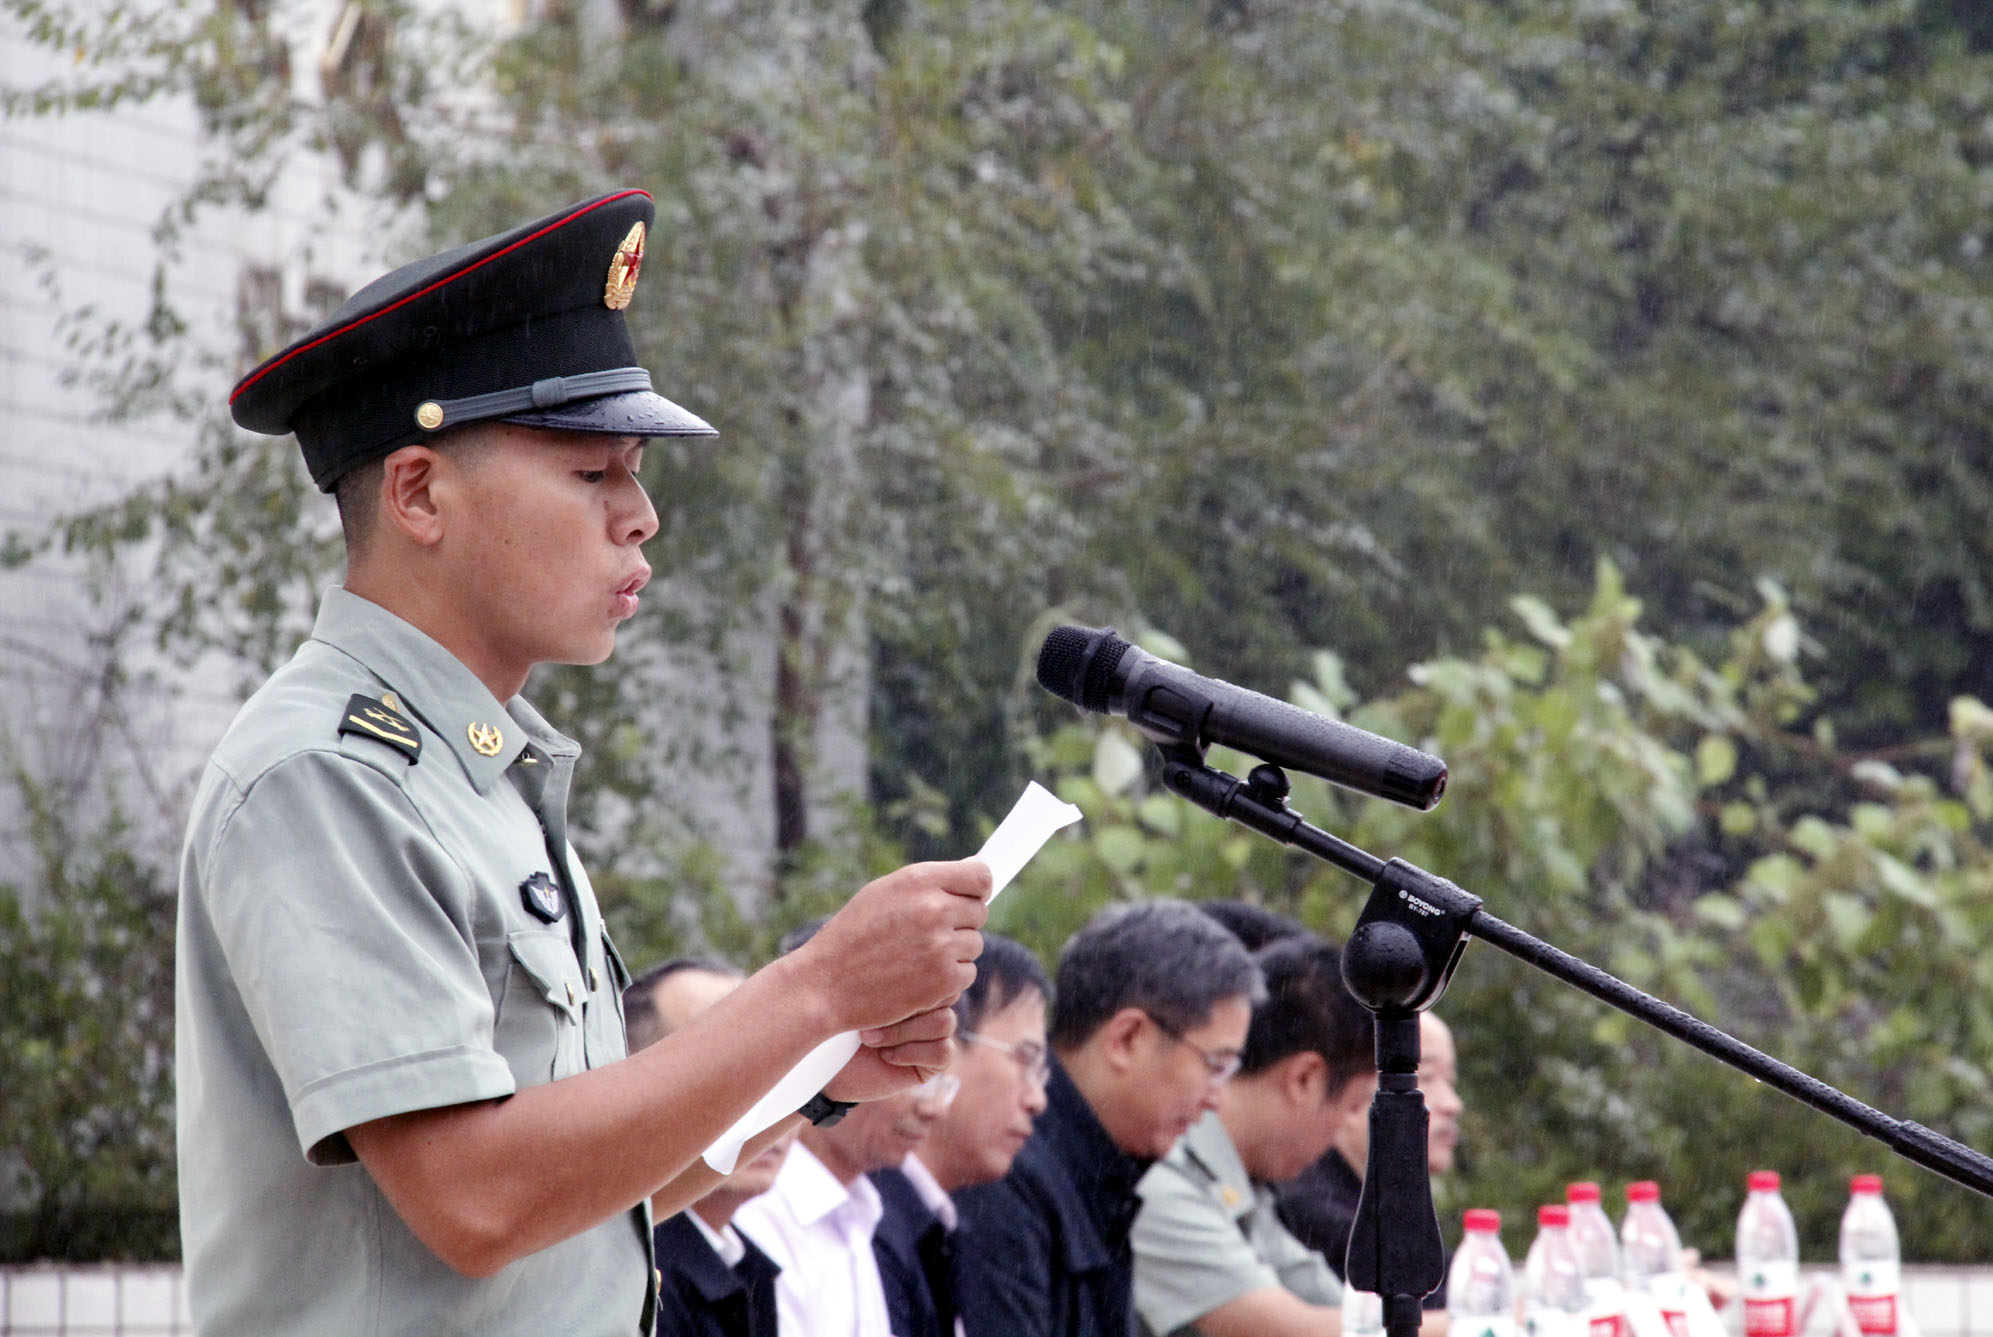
point(1776, 874)
point(1162, 813)
point(1542, 622)
point(1725, 912)
point(1878, 774)
point(1902, 881)
point(1121, 848)
point(1715, 760)
point(1848, 917)
point(1813, 835)
point(1117, 765)
point(1781, 638)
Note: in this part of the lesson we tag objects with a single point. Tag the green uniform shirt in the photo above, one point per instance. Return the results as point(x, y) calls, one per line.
point(357, 939)
point(1206, 1235)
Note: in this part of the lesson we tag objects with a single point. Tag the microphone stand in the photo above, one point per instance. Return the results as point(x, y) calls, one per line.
point(1397, 963)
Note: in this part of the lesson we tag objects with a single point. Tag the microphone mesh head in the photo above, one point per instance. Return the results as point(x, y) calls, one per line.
point(1060, 661)
point(1077, 664)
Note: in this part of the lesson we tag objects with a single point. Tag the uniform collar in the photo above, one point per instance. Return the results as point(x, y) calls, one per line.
point(1208, 1147)
point(438, 689)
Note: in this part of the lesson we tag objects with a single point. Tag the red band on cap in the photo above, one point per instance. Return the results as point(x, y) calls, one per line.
point(269, 367)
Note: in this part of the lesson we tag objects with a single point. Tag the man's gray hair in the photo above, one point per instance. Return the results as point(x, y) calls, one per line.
point(1165, 957)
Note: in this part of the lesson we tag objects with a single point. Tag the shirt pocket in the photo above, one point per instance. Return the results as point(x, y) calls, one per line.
point(539, 1021)
point(608, 1040)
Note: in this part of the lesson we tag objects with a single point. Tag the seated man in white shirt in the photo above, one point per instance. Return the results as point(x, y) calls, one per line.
point(818, 1219)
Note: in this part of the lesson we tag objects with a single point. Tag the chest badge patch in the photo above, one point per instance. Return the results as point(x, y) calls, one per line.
point(542, 898)
point(377, 719)
point(486, 740)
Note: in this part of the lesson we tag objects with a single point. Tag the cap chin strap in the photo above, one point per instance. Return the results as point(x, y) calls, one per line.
point(433, 415)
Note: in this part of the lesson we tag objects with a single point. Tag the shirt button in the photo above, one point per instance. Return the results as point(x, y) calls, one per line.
point(570, 992)
point(594, 980)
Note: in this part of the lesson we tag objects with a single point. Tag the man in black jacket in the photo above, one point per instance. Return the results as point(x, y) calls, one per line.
point(1002, 1066)
point(1149, 1019)
point(714, 1281)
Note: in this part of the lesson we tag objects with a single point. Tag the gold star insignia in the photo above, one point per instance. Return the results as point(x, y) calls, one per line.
point(623, 270)
point(486, 740)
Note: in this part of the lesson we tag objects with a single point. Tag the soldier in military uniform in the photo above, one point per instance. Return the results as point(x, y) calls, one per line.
point(404, 1102)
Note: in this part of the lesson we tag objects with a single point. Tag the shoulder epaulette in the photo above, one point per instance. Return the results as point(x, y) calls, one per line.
point(376, 719)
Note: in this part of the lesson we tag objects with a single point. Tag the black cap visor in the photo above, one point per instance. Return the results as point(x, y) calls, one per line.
point(631, 413)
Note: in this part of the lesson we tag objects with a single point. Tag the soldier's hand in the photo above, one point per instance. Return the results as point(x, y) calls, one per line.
point(894, 1058)
point(905, 944)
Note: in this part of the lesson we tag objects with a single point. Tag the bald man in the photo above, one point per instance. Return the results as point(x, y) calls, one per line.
point(714, 1280)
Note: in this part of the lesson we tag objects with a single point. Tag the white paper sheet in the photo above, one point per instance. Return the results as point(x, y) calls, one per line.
point(1019, 836)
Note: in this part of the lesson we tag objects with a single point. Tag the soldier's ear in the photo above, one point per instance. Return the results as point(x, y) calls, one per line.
point(1305, 1079)
point(410, 499)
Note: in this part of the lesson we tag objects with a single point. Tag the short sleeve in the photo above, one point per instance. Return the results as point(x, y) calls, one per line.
point(347, 932)
point(1300, 1269)
point(1190, 1256)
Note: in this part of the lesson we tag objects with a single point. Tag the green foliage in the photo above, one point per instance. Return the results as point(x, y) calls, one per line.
point(86, 1034)
point(1598, 775)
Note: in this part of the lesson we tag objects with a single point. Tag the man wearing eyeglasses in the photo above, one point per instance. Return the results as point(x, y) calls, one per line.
point(1004, 1066)
point(1148, 1022)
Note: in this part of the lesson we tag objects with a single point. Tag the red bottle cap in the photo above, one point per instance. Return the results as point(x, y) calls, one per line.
point(1584, 1191)
point(1763, 1181)
point(1866, 1184)
point(1643, 1190)
point(1553, 1214)
point(1485, 1220)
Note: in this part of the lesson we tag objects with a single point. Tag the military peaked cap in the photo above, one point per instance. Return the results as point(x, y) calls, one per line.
point(526, 326)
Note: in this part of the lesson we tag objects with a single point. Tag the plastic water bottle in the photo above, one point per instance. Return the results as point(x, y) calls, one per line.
point(1598, 1253)
point(1650, 1253)
point(1481, 1285)
point(1554, 1299)
point(1768, 1260)
point(1871, 1263)
point(1363, 1312)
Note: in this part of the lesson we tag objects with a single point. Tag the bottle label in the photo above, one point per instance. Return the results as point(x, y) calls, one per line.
point(1771, 1317)
point(1874, 1314)
point(1606, 1325)
point(1879, 1276)
point(1770, 1280)
point(1677, 1321)
point(1550, 1323)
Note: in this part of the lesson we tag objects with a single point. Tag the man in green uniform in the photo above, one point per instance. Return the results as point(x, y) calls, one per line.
point(404, 1101)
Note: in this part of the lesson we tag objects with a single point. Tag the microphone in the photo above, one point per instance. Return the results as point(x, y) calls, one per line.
point(1098, 671)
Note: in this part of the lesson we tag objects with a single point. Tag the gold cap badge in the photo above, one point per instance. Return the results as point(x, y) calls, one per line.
point(429, 415)
point(486, 740)
point(623, 270)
